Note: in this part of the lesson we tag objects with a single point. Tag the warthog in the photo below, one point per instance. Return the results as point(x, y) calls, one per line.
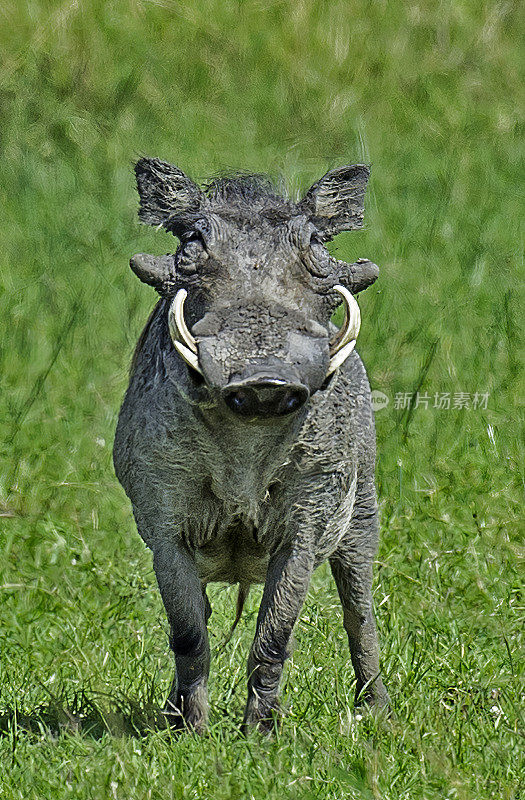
point(246, 438)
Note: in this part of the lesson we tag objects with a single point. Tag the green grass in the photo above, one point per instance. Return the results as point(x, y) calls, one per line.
point(431, 95)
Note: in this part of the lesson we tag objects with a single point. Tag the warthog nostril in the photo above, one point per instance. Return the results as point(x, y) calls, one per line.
point(292, 402)
point(238, 400)
point(265, 399)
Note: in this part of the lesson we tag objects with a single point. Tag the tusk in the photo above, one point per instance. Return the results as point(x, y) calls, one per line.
point(344, 341)
point(189, 357)
point(178, 328)
point(184, 342)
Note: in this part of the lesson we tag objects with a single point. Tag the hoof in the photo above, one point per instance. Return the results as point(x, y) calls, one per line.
point(188, 711)
point(370, 707)
point(262, 717)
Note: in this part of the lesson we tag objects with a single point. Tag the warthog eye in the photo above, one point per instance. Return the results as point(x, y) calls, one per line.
point(317, 259)
point(192, 252)
point(314, 254)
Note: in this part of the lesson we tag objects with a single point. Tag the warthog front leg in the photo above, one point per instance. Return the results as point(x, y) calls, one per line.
point(188, 609)
point(352, 570)
point(285, 589)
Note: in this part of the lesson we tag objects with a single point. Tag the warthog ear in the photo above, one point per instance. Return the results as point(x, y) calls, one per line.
point(167, 196)
point(336, 202)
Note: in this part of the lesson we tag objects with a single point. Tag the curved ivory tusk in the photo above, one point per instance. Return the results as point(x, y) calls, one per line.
point(344, 341)
point(183, 341)
point(177, 322)
point(189, 357)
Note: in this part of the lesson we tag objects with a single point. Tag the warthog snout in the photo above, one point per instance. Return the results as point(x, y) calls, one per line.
point(264, 397)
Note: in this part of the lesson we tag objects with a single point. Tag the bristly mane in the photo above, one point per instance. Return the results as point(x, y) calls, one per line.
point(254, 191)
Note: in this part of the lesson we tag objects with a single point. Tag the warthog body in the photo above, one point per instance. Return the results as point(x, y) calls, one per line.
point(246, 448)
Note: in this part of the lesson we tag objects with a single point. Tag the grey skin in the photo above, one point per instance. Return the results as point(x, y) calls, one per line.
point(261, 467)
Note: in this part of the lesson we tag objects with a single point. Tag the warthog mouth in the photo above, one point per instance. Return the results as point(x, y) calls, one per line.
point(341, 345)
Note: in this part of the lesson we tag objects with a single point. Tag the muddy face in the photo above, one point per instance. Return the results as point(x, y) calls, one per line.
point(259, 283)
point(263, 340)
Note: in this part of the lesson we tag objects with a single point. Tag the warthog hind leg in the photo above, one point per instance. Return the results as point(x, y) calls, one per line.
point(284, 593)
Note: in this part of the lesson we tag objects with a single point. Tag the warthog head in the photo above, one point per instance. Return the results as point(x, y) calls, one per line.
point(252, 283)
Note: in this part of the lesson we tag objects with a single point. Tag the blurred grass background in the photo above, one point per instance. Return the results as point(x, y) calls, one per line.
point(431, 94)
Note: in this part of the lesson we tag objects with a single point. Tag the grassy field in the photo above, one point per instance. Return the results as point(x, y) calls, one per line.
point(431, 94)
